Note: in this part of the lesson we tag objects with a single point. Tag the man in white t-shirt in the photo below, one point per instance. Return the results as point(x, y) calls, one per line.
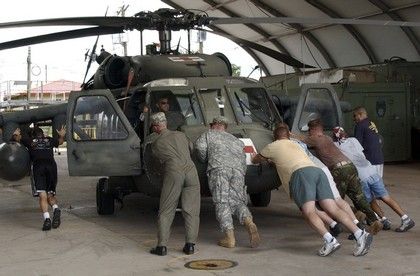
point(307, 184)
point(372, 183)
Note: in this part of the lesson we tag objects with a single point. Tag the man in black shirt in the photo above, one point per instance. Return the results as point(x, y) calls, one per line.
point(44, 171)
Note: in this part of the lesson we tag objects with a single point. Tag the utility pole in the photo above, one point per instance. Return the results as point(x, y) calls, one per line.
point(46, 74)
point(121, 12)
point(28, 81)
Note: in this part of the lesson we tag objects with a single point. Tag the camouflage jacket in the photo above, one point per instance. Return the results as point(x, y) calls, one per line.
point(221, 150)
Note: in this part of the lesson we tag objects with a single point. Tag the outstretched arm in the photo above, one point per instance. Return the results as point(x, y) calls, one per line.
point(258, 158)
point(61, 134)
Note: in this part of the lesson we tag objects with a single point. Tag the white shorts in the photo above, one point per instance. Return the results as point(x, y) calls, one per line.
point(333, 186)
point(379, 169)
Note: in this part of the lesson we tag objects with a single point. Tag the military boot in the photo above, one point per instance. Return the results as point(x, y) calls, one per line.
point(229, 239)
point(254, 237)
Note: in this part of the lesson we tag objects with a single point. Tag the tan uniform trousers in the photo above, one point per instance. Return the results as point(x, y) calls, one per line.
point(185, 185)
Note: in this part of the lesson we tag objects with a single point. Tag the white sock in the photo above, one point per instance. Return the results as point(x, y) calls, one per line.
point(383, 218)
point(333, 224)
point(46, 215)
point(55, 206)
point(358, 234)
point(328, 237)
point(404, 217)
point(355, 221)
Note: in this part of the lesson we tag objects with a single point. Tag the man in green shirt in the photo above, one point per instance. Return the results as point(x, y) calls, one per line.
point(180, 180)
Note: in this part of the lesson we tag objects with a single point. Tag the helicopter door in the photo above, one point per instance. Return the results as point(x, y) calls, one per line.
point(100, 139)
point(317, 101)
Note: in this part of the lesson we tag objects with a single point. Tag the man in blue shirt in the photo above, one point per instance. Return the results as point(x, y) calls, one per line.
point(368, 135)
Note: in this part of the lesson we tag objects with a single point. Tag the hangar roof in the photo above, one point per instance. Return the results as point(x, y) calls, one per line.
point(321, 45)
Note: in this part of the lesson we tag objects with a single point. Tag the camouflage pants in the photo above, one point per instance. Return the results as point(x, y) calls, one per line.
point(228, 190)
point(348, 183)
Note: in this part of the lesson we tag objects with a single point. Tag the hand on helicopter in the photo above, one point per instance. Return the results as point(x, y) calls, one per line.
point(62, 131)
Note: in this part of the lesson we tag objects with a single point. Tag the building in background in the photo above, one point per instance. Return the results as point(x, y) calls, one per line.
point(13, 93)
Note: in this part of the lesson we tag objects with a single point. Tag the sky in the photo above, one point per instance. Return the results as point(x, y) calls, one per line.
point(65, 59)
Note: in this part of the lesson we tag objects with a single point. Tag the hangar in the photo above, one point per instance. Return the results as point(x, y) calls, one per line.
point(119, 244)
point(373, 66)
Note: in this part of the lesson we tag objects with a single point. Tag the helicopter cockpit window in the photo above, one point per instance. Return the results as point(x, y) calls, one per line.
point(251, 106)
point(94, 118)
point(180, 104)
point(319, 104)
point(216, 104)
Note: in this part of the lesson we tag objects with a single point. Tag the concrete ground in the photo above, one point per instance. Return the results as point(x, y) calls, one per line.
point(89, 244)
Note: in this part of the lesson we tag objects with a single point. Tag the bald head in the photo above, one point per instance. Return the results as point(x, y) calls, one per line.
point(359, 114)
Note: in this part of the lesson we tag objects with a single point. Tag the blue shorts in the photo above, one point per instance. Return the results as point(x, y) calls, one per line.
point(373, 187)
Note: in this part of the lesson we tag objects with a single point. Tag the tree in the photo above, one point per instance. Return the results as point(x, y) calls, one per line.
point(236, 70)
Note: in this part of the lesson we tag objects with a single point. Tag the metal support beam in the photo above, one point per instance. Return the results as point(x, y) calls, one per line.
point(253, 27)
point(248, 50)
point(299, 29)
point(352, 30)
point(321, 26)
point(395, 16)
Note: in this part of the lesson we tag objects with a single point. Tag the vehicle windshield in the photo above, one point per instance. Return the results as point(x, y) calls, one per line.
point(251, 106)
point(181, 103)
point(319, 104)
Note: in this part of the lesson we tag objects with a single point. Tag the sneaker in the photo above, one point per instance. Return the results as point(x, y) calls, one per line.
point(387, 224)
point(329, 247)
point(363, 244)
point(336, 230)
point(47, 225)
point(406, 225)
point(56, 221)
point(375, 227)
point(361, 227)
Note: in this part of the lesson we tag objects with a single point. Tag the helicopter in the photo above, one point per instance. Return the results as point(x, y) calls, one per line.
point(108, 129)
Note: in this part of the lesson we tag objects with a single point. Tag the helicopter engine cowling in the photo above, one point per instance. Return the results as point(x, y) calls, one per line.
point(112, 73)
point(14, 161)
point(114, 70)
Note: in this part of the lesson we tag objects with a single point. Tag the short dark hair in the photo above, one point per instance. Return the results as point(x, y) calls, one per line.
point(38, 131)
point(315, 123)
point(281, 131)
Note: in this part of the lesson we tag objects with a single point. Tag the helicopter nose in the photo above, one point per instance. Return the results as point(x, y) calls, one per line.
point(14, 161)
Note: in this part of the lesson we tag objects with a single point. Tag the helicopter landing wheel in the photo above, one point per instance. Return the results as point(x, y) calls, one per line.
point(104, 199)
point(261, 199)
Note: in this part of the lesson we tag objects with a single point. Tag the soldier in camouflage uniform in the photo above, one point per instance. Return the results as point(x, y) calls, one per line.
point(226, 176)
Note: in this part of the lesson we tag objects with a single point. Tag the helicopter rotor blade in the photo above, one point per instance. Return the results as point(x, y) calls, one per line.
point(265, 50)
point(103, 21)
point(60, 36)
point(308, 20)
